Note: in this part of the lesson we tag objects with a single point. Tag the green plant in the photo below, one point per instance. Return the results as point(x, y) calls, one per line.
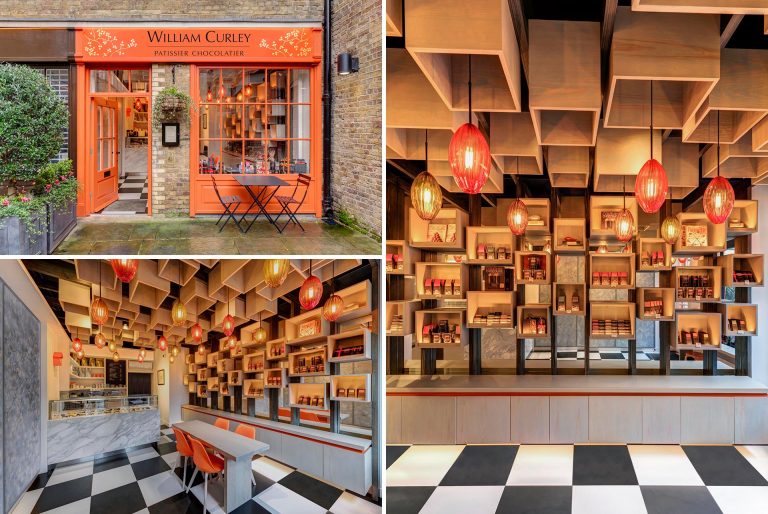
point(32, 121)
point(350, 220)
point(170, 104)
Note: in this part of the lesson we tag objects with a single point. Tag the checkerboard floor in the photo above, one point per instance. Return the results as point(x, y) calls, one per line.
point(568, 354)
point(588, 479)
point(145, 479)
point(132, 195)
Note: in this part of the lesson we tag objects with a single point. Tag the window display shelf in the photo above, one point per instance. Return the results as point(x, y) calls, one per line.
point(743, 218)
point(602, 213)
point(275, 378)
point(739, 319)
point(570, 235)
point(530, 264)
point(742, 270)
point(400, 258)
point(702, 323)
point(567, 292)
point(307, 328)
point(276, 350)
point(614, 270)
point(430, 321)
point(444, 233)
point(496, 308)
point(485, 244)
point(350, 346)
point(653, 254)
point(399, 317)
point(308, 396)
point(693, 284)
point(538, 215)
point(301, 364)
point(527, 315)
point(656, 303)
point(452, 279)
point(621, 312)
point(351, 388)
point(253, 388)
point(699, 236)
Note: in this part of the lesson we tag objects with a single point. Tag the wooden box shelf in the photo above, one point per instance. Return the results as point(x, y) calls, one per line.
point(514, 147)
point(224, 389)
point(610, 263)
point(702, 6)
point(489, 237)
point(253, 388)
point(246, 334)
point(744, 213)
point(602, 211)
point(647, 248)
point(568, 291)
point(211, 359)
point(665, 295)
point(399, 317)
point(571, 230)
point(568, 166)
point(191, 386)
point(450, 219)
point(225, 365)
point(275, 378)
point(235, 378)
point(538, 215)
point(485, 302)
point(455, 319)
point(200, 359)
point(316, 328)
point(525, 261)
point(735, 263)
point(253, 362)
point(202, 374)
point(713, 276)
point(716, 237)
point(402, 258)
point(357, 300)
point(742, 312)
point(303, 396)
point(350, 346)
point(351, 388)
point(213, 383)
point(454, 274)
point(300, 363)
point(612, 311)
point(202, 391)
point(533, 313)
point(708, 322)
point(275, 350)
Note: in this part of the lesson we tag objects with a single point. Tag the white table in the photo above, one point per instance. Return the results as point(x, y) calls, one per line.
point(238, 452)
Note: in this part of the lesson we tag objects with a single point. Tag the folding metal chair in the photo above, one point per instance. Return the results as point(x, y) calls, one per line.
point(227, 201)
point(287, 202)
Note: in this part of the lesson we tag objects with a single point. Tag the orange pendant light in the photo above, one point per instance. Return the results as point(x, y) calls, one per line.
point(80, 354)
point(719, 196)
point(517, 217)
point(275, 271)
point(174, 350)
point(231, 342)
point(112, 346)
point(77, 345)
point(625, 222)
point(426, 193)
point(162, 343)
point(125, 269)
point(334, 305)
point(201, 349)
point(311, 291)
point(115, 357)
point(99, 309)
point(100, 340)
point(178, 310)
point(651, 184)
point(197, 332)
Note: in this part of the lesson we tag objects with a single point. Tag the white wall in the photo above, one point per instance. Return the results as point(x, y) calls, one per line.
point(172, 395)
point(760, 294)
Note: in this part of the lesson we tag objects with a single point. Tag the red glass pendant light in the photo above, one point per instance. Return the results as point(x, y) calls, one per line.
point(311, 291)
point(125, 269)
point(77, 344)
point(719, 196)
point(79, 354)
point(209, 96)
point(197, 332)
point(651, 183)
point(162, 343)
point(228, 325)
point(517, 217)
point(468, 153)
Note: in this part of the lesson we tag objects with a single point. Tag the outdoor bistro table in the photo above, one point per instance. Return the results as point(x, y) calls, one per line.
point(262, 197)
point(238, 452)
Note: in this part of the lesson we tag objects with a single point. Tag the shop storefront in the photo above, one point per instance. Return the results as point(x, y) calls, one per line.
point(255, 96)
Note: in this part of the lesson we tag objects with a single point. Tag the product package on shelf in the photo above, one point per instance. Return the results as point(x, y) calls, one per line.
point(653, 258)
point(610, 278)
point(315, 364)
point(694, 337)
point(489, 252)
point(695, 235)
point(309, 328)
point(745, 277)
point(737, 325)
point(440, 333)
point(534, 267)
point(442, 287)
point(441, 232)
point(497, 278)
point(492, 318)
point(653, 308)
point(534, 325)
point(611, 327)
point(694, 287)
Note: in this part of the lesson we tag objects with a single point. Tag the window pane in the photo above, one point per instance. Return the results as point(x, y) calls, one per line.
point(231, 157)
point(210, 121)
point(119, 80)
point(299, 156)
point(139, 81)
point(232, 123)
point(209, 84)
point(300, 86)
point(99, 82)
point(277, 83)
point(300, 121)
point(254, 122)
point(276, 156)
point(276, 119)
point(232, 80)
point(255, 90)
point(210, 156)
point(254, 157)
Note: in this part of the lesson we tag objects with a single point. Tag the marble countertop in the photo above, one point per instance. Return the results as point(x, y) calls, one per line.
point(592, 384)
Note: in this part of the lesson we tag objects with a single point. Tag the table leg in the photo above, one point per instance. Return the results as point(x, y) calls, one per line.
point(263, 206)
point(248, 210)
point(238, 483)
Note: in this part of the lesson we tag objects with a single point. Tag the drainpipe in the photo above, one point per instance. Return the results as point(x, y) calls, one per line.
point(327, 67)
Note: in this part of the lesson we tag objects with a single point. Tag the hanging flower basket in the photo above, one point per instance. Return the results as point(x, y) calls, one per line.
point(171, 105)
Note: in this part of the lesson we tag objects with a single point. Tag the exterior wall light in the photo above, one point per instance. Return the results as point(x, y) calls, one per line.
point(347, 64)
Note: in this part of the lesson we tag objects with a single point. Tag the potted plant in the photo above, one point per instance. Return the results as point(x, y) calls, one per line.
point(170, 105)
point(32, 123)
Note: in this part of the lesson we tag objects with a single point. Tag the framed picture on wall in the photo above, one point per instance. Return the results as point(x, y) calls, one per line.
point(161, 377)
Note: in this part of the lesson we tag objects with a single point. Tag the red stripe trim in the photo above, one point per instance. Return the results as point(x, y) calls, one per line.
point(276, 430)
point(574, 393)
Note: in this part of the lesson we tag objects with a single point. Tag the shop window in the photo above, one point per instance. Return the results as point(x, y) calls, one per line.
point(254, 120)
point(120, 81)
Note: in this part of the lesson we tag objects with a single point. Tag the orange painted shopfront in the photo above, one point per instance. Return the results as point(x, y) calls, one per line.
point(257, 99)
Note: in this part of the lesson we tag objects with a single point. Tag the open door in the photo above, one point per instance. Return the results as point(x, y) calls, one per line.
point(104, 152)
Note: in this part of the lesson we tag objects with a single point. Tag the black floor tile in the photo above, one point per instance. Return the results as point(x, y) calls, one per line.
point(181, 503)
point(166, 448)
point(481, 465)
point(535, 500)
point(149, 467)
point(164, 427)
point(314, 490)
point(251, 507)
point(603, 465)
point(62, 494)
point(190, 471)
point(612, 356)
point(678, 500)
point(395, 452)
point(653, 356)
point(172, 437)
point(567, 355)
point(723, 465)
point(41, 480)
point(121, 500)
point(407, 500)
point(262, 483)
point(110, 462)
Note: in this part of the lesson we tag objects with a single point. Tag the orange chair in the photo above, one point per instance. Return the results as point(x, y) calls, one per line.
point(206, 463)
point(249, 432)
point(222, 423)
point(184, 449)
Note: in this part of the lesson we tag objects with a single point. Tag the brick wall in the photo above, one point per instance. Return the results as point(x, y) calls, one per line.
point(356, 153)
point(170, 165)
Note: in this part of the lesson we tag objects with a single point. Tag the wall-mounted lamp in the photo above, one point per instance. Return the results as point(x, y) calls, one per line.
point(57, 358)
point(347, 64)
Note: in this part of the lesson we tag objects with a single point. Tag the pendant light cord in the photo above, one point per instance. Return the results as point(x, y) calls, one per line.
point(426, 156)
point(651, 131)
point(718, 143)
point(469, 87)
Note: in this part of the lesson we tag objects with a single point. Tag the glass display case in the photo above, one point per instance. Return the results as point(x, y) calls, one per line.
point(97, 406)
point(93, 392)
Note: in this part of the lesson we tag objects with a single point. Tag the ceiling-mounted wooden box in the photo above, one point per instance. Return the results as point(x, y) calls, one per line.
point(441, 34)
point(179, 271)
point(702, 6)
point(619, 156)
point(680, 53)
point(514, 145)
point(681, 161)
point(736, 161)
point(739, 99)
point(568, 166)
point(564, 81)
point(147, 288)
point(441, 170)
point(394, 18)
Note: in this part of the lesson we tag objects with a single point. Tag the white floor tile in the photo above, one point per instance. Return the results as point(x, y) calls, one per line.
point(142, 454)
point(463, 499)
point(539, 356)
point(663, 465)
point(166, 431)
point(757, 456)
point(271, 469)
point(159, 487)
point(27, 502)
point(77, 507)
point(281, 499)
point(607, 499)
point(163, 439)
point(542, 465)
point(142, 511)
point(351, 504)
point(172, 459)
point(740, 500)
point(112, 478)
point(642, 357)
point(65, 474)
point(211, 504)
point(423, 465)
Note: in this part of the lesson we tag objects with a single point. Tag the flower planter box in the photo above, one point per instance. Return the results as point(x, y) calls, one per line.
point(60, 223)
point(16, 239)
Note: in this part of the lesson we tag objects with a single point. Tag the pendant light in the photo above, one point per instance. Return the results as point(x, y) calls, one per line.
point(426, 193)
point(228, 323)
point(602, 248)
point(125, 269)
point(275, 271)
point(162, 343)
point(231, 342)
point(517, 213)
point(201, 349)
point(80, 354)
point(115, 357)
point(174, 350)
point(311, 291)
point(178, 310)
point(334, 305)
point(651, 183)
point(468, 152)
point(77, 345)
point(171, 358)
point(197, 332)
point(100, 340)
point(248, 90)
point(140, 358)
point(209, 96)
point(112, 346)
point(670, 227)
point(719, 196)
point(625, 222)
point(260, 335)
point(99, 309)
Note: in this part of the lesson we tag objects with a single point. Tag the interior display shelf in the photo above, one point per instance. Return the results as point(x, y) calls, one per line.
point(433, 318)
point(452, 279)
point(611, 270)
point(202, 391)
point(235, 378)
point(301, 364)
point(308, 396)
point(224, 389)
point(202, 374)
point(276, 350)
point(225, 365)
point(538, 215)
point(656, 303)
point(275, 378)
point(534, 321)
point(699, 236)
point(566, 292)
point(253, 363)
point(530, 266)
point(742, 270)
point(444, 233)
point(307, 328)
point(253, 388)
point(350, 346)
point(399, 317)
point(496, 307)
point(212, 359)
point(351, 388)
point(743, 218)
point(739, 319)
point(693, 283)
point(622, 312)
point(602, 215)
point(490, 245)
point(357, 301)
point(400, 257)
point(701, 322)
point(570, 235)
point(653, 254)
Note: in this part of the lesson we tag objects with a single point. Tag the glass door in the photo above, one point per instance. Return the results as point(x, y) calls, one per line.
point(104, 151)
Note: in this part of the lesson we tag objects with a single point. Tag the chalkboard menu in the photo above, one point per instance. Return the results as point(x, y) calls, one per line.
point(115, 373)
